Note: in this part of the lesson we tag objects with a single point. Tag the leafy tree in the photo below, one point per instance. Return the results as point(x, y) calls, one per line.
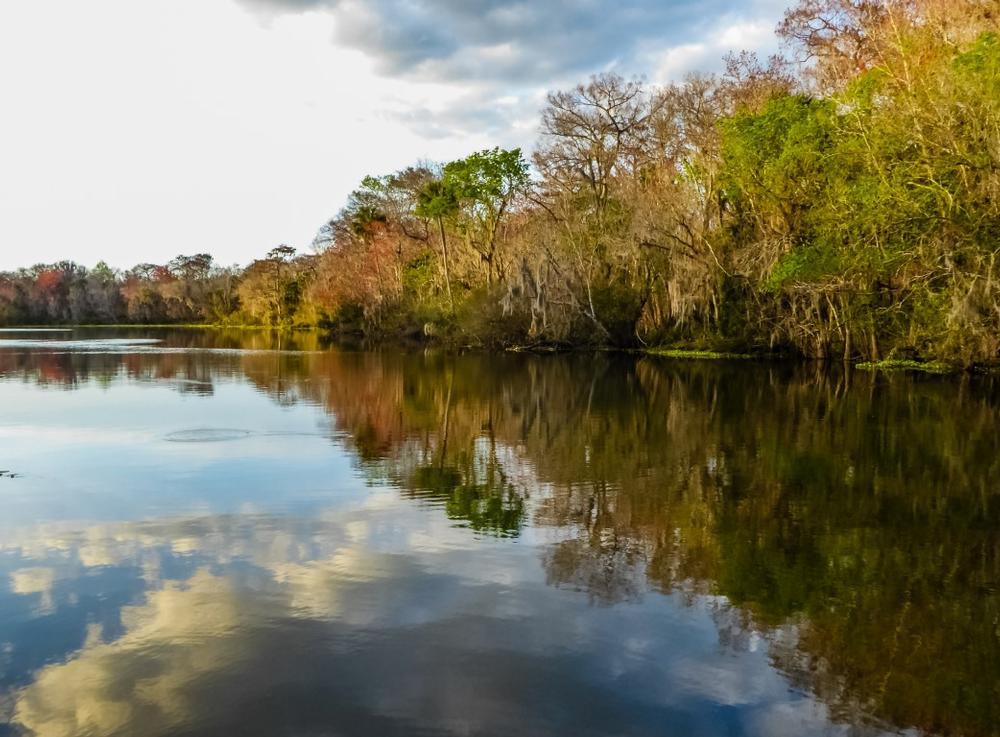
point(486, 185)
point(439, 201)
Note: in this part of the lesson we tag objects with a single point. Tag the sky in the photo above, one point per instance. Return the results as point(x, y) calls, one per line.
point(136, 130)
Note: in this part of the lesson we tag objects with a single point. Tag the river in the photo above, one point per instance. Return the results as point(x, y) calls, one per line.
point(213, 533)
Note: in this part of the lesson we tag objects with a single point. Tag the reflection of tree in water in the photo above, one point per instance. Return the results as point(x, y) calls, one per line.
point(486, 500)
point(853, 521)
point(607, 566)
point(188, 373)
point(859, 509)
point(189, 361)
point(470, 480)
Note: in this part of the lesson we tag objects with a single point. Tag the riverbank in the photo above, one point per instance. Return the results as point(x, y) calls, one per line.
point(450, 342)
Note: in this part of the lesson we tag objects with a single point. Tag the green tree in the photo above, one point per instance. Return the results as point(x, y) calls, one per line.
point(486, 185)
point(439, 201)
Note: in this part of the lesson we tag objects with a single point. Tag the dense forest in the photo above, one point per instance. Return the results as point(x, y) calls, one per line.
point(843, 201)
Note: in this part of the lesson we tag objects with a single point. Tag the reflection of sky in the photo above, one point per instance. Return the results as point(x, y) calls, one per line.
point(261, 587)
point(100, 453)
point(304, 623)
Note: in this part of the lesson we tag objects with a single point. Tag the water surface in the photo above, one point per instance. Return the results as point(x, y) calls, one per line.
point(206, 533)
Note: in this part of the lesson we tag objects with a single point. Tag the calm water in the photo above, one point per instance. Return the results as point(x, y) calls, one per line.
point(246, 535)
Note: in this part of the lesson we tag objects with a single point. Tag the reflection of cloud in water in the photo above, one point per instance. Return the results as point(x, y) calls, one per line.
point(173, 638)
point(294, 626)
point(35, 581)
point(81, 435)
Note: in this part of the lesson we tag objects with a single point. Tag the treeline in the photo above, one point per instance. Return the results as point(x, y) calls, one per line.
point(841, 205)
point(844, 202)
point(189, 289)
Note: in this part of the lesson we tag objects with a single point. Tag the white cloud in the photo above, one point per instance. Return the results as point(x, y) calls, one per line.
point(706, 55)
point(136, 131)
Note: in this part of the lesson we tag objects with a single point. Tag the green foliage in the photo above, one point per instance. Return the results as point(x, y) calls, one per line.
point(735, 212)
point(896, 364)
point(437, 200)
point(418, 275)
point(778, 158)
point(981, 63)
point(701, 355)
point(807, 263)
point(487, 180)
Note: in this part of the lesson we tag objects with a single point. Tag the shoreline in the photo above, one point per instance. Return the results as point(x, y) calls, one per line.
point(669, 352)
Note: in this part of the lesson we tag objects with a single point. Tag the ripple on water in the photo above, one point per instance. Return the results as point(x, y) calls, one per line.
point(81, 345)
point(207, 435)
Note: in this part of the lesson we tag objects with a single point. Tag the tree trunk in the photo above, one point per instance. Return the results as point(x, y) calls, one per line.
point(447, 270)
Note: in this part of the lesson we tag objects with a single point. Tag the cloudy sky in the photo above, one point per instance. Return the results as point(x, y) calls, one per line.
point(134, 130)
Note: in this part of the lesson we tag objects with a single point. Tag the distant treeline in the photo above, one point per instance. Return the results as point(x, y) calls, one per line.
point(842, 202)
point(189, 289)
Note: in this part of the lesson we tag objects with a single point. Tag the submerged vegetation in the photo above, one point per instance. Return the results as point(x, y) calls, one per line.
point(843, 203)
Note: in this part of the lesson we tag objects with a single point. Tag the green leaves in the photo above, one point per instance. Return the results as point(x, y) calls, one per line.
point(437, 200)
point(982, 61)
point(488, 178)
point(481, 185)
point(777, 159)
point(805, 264)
